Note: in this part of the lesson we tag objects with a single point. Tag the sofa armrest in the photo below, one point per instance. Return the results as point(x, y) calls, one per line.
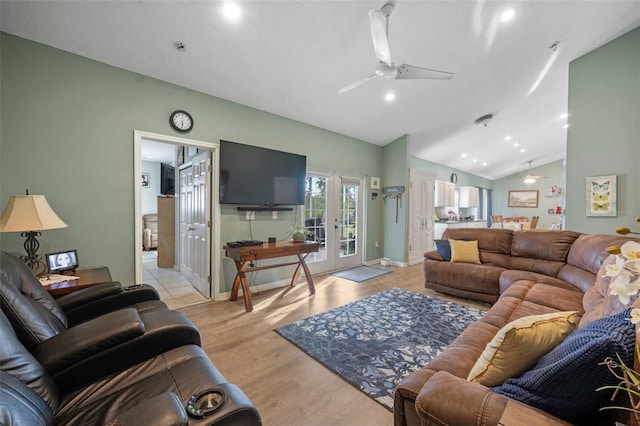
point(87, 339)
point(164, 409)
point(433, 255)
point(439, 403)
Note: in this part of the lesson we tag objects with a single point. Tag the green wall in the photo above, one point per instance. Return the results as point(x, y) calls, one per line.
point(67, 133)
point(396, 173)
point(604, 132)
point(553, 172)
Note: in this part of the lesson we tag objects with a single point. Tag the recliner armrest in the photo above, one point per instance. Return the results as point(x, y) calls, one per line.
point(164, 409)
point(87, 305)
point(89, 294)
point(89, 338)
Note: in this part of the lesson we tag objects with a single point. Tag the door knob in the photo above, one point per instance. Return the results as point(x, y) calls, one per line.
point(191, 229)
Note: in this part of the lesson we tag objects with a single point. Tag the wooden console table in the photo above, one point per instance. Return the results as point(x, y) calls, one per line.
point(243, 256)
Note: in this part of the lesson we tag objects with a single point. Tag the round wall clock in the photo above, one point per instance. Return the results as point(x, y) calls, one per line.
point(181, 121)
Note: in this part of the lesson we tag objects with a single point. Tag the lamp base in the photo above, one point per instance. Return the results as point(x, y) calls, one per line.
point(32, 259)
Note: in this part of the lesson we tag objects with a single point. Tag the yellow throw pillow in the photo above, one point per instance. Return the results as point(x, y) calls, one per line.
point(520, 344)
point(464, 251)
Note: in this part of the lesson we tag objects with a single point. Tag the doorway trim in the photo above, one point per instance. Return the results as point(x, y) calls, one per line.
point(138, 136)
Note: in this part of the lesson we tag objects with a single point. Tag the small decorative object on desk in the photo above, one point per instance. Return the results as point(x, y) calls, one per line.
point(300, 233)
point(625, 285)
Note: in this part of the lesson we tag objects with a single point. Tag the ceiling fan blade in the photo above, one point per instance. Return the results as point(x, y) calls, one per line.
point(406, 72)
point(379, 36)
point(355, 84)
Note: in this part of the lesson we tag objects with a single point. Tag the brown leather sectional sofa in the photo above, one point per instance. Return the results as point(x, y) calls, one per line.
point(523, 273)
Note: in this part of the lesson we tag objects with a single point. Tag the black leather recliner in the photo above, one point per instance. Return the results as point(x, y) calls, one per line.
point(86, 303)
point(153, 392)
point(91, 349)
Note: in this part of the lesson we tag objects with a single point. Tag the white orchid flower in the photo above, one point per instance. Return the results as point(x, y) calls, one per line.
point(614, 269)
point(631, 250)
point(624, 287)
point(635, 315)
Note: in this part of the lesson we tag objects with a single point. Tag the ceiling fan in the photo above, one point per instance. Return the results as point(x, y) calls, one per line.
point(379, 21)
point(530, 177)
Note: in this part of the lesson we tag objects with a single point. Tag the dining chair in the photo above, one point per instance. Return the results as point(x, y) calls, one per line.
point(534, 222)
point(496, 221)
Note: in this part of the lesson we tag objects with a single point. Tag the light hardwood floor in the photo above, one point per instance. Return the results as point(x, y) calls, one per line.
point(287, 386)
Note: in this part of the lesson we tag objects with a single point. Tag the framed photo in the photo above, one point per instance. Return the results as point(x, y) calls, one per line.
point(526, 198)
point(146, 180)
point(601, 196)
point(375, 182)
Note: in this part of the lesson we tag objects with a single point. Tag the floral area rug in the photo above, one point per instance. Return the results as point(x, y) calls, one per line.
point(376, 341)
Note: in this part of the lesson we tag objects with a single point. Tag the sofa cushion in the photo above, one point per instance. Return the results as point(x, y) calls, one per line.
point(541, 251)
point(444, 249)
point(464, 251)
point(520, 344)
point(565, 380)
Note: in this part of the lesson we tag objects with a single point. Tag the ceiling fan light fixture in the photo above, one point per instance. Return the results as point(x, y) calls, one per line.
point(529, 180)
point(484, 120)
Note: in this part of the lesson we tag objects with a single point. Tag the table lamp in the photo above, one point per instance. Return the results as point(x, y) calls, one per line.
point(30, 214)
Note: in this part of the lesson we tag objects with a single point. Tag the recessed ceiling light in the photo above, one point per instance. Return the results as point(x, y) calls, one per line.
point(231, 11)
point(475, 160)
point(566, 126)
point(522, 150)
point(390, 96)
point(563, 116)
point(507, 138)
point(463, 155)
point(484, 164)
point(507, 15)
point(516, 144)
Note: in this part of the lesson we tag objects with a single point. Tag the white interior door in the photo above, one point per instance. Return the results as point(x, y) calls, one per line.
point(421, 211)
point(201, 224)
point(333, 214)
point(186, 220)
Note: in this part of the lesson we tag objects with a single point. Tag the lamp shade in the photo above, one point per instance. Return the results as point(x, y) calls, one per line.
point(29, 213)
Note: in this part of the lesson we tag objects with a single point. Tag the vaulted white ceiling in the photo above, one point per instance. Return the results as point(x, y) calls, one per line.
point(290, 58)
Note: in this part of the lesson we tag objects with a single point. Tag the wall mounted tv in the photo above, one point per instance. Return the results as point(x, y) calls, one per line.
point(261, 176)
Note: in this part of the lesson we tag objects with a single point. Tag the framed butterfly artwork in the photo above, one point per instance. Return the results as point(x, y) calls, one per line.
point(601, 196)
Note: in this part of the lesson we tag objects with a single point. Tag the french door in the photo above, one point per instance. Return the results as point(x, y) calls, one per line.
point(333, 216)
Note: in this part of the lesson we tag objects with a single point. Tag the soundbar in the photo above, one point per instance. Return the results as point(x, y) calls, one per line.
point(264, 209)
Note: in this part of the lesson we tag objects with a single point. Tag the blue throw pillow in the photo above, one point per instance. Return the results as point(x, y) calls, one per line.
point(444, 249)
point(564, 381)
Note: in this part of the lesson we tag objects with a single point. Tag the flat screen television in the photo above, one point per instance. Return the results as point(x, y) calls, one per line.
point(260, 176)
point(62, 261)
point(167, 179)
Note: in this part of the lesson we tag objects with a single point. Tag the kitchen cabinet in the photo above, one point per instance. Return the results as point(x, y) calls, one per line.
point(469, 196)
point(439, 227)
point(445, 193)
